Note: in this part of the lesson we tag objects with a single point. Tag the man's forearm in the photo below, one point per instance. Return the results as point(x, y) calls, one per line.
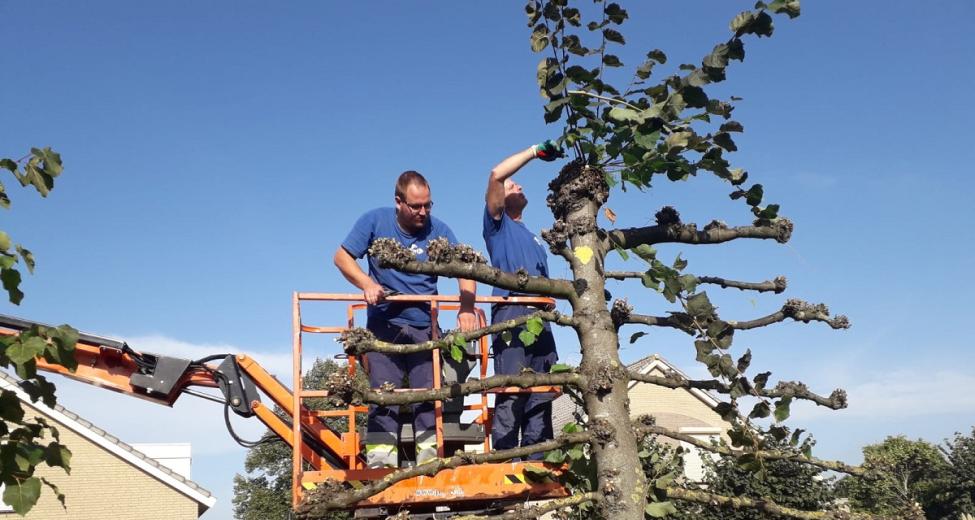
point(350, 269)
point(468, 291)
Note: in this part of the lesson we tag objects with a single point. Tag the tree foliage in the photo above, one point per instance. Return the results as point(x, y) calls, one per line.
point(905, 474)
point(786, 482)
point(627, 131)
point(26, 441)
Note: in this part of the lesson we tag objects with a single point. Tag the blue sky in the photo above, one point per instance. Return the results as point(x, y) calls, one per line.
point(216, 154)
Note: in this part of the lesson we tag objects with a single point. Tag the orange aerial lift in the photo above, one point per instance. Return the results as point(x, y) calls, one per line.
point(321, 453)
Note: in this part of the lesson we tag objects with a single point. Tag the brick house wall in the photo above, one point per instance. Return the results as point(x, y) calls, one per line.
point(102, 486)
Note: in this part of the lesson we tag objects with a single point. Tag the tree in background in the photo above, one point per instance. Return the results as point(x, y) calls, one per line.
point(789, 483)
point(902, 474)
point(27, 442)
point(265, 492)
point(958, 495)
point(623, 131)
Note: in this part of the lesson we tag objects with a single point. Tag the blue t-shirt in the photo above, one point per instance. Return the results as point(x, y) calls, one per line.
point(381, 223)
point(511, 247)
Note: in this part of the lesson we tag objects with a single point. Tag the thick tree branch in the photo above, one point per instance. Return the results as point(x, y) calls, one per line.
point(327, 498)
point(342, 390)
point(644, 425)
point(703, 497)
point(797, 310)
point(530, 513)
point(836, 400)
point(464, 262)
point(779, 230)
point(359, 340)
point(777, 285)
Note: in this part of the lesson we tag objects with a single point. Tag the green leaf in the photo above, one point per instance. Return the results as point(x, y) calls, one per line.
point(731, 126)
point(623, 115)
point(677, 141)
point(660, 509)
point(4, 241)
point(10, 409)
point(536, 474)
point(22, 496)
point(704, 349)
point(27, 256)
point(559, 368)
point(526, 338)
point(695, 97)
point(658, 56)
point(761, 380)
point(611, 60)
point(699, 306)
point(760, 410)
point(645, 251)
point(457, 353)
point(26, 349)
point(535, 325)
point(636, 336)
point(539, 38)
point(615, 13)
point(782, 409)
point(613, 36)
point(11, 282)
point(723, 139)
point(59, 455)
point(57, 492)
point(648, 141)
point(622, 252)
point(745, 360)
point(753, 197)
point(571, 428)
point(9, 164)
point(789, 7)
point(555, 457)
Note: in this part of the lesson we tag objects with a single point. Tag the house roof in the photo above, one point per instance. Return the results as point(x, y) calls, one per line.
point(112, 444)
point(655, 361)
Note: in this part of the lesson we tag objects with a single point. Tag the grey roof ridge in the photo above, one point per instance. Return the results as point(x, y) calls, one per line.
point(112, 439)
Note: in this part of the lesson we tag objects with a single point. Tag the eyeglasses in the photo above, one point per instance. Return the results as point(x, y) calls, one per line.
point(415, 208)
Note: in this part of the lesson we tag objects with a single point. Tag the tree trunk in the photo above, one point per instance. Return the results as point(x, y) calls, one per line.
point(621, 481)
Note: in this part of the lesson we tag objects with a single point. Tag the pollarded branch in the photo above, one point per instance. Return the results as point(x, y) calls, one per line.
point(836, 400)
point(797, 310)
point(331, 497)
point(766, 505)
point(464, 262)
point(342, 390)
point(779, 230)
point(777, 285)
point(359, 340)
point(677, 320)
point(645, 426)
point(530, 513)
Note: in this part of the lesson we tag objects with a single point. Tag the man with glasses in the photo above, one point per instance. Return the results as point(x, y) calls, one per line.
point(511, 247)
point(410, 224)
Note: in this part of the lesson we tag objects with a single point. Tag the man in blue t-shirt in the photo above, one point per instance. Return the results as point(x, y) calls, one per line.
point(511, 247)
point(411, 224)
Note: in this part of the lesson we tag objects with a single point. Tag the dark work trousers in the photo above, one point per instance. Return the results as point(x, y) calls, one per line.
point(529, 415)
point(391, 368)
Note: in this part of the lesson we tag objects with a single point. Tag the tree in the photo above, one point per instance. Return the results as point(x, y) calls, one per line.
point(787, 482)
point(265, 492)
point(904, 474)
point(23, 438)
point(622, 137)
point(958, 495)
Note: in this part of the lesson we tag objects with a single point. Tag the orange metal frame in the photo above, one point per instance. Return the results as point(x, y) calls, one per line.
point(111, 367)
point(483, 482)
